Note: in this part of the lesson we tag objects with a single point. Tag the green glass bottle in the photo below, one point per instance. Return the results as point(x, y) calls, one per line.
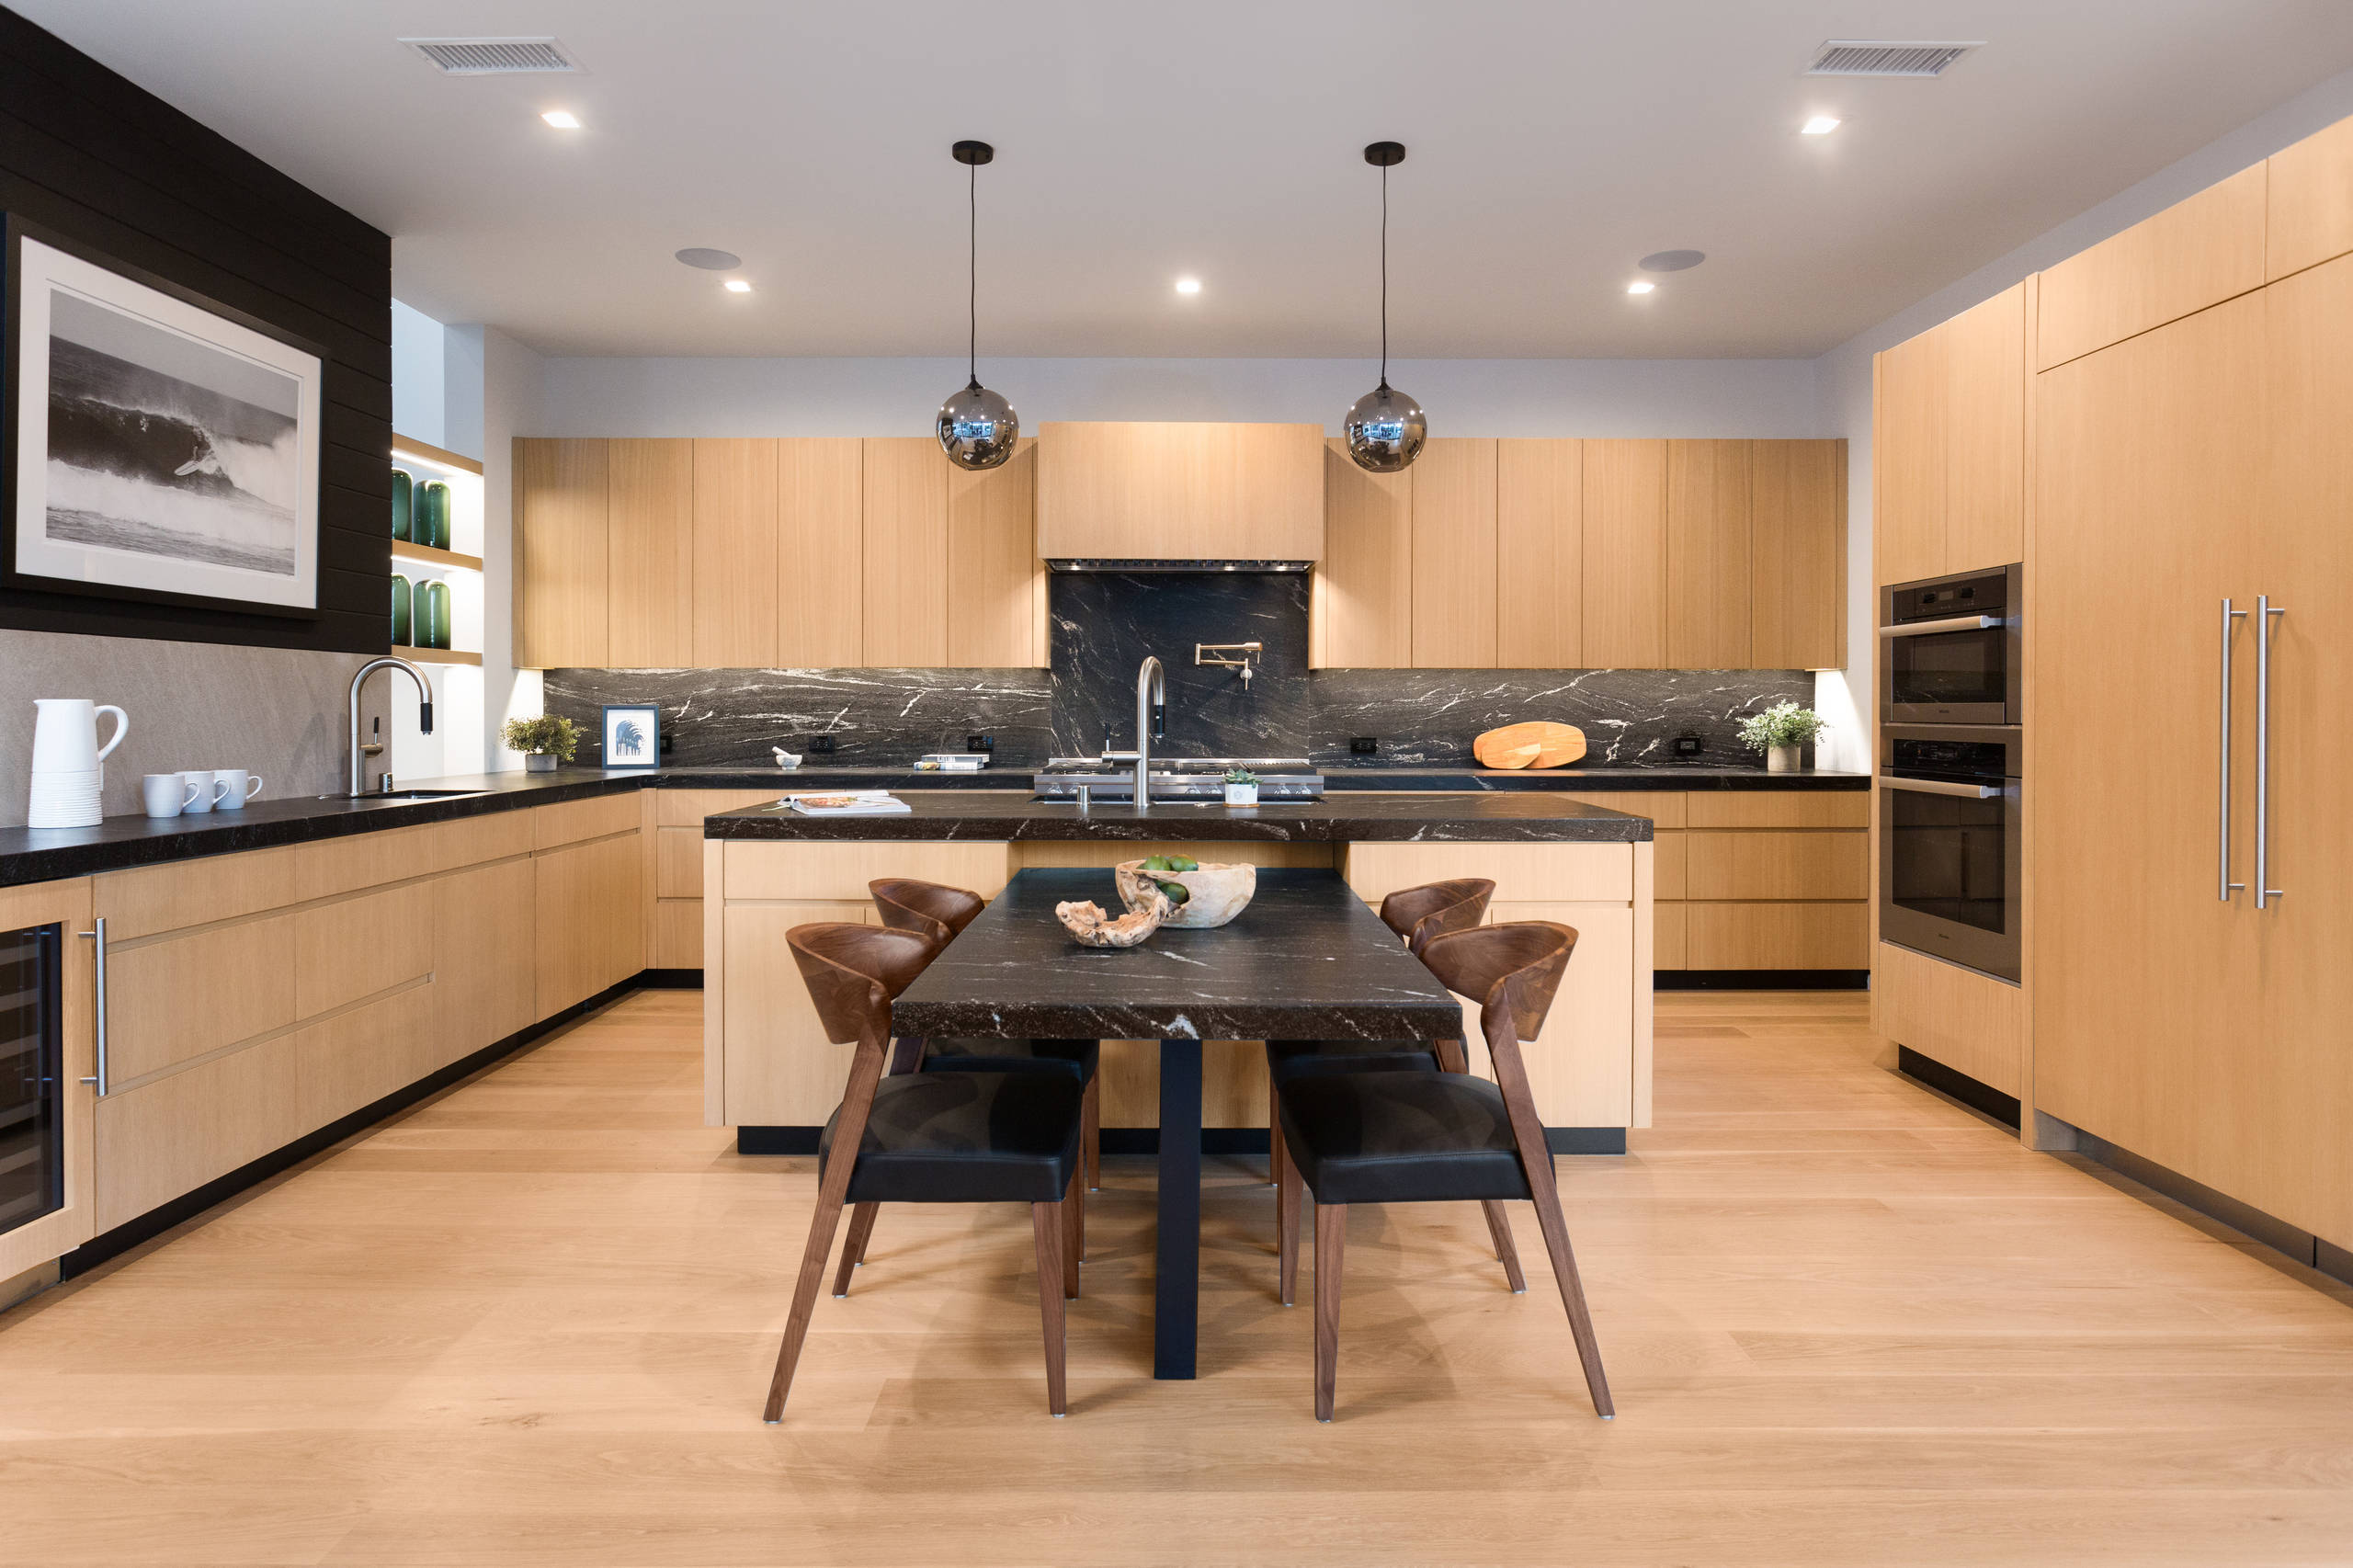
point(401, 612)
point(432, 523)
point(403, 501)
point(435, 616)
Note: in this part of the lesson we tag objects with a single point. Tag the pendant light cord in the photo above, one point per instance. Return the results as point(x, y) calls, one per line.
point(1385, 275)
point(973, 274)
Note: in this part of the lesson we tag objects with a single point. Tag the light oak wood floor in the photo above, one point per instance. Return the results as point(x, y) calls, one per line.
point(1847, 1322)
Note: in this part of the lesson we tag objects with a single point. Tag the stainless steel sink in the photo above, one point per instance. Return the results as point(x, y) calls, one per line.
point(399, 795)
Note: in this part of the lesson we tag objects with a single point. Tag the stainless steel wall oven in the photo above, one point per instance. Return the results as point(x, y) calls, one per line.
point(1949, 852)
point(1951, 649)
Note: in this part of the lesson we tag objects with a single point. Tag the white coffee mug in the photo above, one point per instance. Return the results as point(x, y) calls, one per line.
point(237, 787)
point(167, 794)
point(208, 791)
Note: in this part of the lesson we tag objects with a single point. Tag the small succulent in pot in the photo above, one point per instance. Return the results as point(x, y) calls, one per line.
point(1778, 732)
point(1241, 787)
point(543, 742)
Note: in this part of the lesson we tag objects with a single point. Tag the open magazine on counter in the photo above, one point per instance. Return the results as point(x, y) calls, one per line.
point(848, 803)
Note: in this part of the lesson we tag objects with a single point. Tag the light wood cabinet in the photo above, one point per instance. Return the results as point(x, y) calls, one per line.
point(589, 919)
point(650, 553)
point(2308, 202)
point(560, 541)
point(1180, 492)
point(1454, 554)
point(485, 968)
point(735, 572)
point(906, 552)
point(2192, 255)
point(1623, 569)
point(1708, 583)
point(1969, 1022)
point(1950, 444)
point(1540, 553)
point(1363, 593)
point(1909, 440)
point(678, 867)
point(996, 608)
point(821, 552)
point(1798, 554)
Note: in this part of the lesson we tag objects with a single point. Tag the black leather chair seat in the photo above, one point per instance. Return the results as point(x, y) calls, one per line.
point(1075, 1058)
point(1289, 1059)
point(965, 1138)
point(1401, 1138)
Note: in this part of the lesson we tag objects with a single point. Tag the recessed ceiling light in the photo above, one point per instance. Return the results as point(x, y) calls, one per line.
point(1641, 285)
point(1820, 125)
point(562, 119)
point(1189, 285)
point(737, 286)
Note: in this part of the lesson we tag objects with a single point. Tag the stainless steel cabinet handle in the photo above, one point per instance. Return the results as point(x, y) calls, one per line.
point(2222, 833)
point(1938, 786)
point(1956, 623)
point(99, 956)
point(2264, 891)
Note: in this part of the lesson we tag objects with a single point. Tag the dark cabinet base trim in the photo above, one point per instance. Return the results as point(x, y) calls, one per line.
point(1969, 1091)
point(1760, 979)
point(2277, 1234)
point(1146, 1140)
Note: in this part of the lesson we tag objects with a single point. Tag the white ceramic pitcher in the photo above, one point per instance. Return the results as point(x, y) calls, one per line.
point(65, 734)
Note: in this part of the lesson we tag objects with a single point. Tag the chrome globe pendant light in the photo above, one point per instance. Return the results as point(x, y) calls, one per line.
point(977, 428)
point(1385, 429)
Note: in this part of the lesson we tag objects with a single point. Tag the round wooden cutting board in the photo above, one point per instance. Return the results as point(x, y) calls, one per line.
point(1537, 744)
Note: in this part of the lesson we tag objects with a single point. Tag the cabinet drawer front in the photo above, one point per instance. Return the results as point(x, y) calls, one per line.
point(1668, 929)
point(1581, 1066)
point(686, 808)
point(361, 946)
point(163, 1139)
point(784, 870)
point(357, 1058)
point(1670, 853)
point(1572, 873)
point(1772, 864)
point(1664, 807)
point(471, 841)
point(572, 820)
point(166, 898)
point(677, 933)
point(677, 862)
point(365, 860)
point(1777, 935)
point(182, 997)
point(1812, 808)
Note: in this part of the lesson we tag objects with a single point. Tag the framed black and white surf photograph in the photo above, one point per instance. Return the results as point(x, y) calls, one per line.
point(160, 446)
point(632, 734)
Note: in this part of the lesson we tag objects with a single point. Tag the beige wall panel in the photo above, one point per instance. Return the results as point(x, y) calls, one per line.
point(1777, 936)
point(1798, 547)
point(357, 947)
point(993, 613)
point(1624, 569)
point(178, 997)
point(839, 871)
point(1794, 808)
point(561, 561)
point(821, 552)
point(1549, 873)
point(163, 1139)
point(1181, 490)
point(485, 955)
point(2195, 253)
point(1969, 1022)
point(1540, 553)
point(1772, 863)
point(649, 545)
point(1708, 566)
point(219, 887)
point(781, 1071)
point(2309, 202)
point(905, 571)
point(1454, 554)
point(1364, 589)
point(735, 573)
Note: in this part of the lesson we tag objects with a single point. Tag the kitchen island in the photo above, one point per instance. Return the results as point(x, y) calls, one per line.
point(769, 1072)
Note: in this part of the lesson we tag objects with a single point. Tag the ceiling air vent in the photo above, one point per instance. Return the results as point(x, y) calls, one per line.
point(1884, 57)
point(493, 56)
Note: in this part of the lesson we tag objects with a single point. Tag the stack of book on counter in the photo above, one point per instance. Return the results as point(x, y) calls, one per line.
point(848, 803)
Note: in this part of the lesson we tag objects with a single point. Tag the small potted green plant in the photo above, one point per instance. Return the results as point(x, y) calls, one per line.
point(1778, 732)
point(544, 742)
point(1241, 787)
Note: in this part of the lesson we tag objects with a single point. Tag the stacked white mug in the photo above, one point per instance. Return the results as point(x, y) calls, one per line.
point(68, 763)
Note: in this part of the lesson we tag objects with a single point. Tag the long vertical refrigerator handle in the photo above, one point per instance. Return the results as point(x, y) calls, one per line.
point(2222, 833)
point(2264, 891)
point(98, 957)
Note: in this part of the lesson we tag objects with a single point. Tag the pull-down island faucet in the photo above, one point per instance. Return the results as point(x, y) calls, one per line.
point(423, 713)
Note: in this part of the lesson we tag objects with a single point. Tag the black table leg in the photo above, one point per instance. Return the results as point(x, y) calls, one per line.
point(1177, 1287)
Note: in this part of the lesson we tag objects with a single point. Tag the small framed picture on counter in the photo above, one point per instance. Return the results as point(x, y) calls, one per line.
point(632, 734)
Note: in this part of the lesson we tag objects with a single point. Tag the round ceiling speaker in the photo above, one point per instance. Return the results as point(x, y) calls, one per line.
point(711, 260)
point(1672, 260)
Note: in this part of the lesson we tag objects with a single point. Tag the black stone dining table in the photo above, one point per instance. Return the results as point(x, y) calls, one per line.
point(1305, 961)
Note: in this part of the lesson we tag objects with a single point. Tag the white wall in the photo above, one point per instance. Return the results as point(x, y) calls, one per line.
point(1843, 376)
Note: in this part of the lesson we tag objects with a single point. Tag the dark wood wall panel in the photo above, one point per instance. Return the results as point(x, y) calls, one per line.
point(94, 157)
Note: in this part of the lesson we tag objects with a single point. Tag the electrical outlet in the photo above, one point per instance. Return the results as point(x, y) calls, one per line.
point(1689, 745)
point(823, 746)
point(1364, 746)
point(980, 743)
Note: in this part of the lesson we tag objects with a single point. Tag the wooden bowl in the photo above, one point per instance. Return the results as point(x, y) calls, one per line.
point(1220, 890)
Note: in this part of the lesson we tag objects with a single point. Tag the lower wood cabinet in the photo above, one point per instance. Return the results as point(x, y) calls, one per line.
point(589, 925)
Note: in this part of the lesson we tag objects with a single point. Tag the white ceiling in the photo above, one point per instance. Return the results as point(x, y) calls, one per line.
point(1552, 142)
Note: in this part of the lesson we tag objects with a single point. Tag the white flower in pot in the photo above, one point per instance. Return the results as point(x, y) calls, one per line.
point(1241, 787)
point(1778, 732)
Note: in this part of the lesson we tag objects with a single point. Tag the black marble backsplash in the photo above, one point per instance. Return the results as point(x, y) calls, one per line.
point(1103, 625)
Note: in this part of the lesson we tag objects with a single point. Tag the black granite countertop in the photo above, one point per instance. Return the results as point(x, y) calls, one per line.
point(30, 855)
point(1417, 817)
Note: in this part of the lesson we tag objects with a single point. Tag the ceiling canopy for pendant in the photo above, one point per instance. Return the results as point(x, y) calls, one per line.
point(1385, 429)
point(977, 428)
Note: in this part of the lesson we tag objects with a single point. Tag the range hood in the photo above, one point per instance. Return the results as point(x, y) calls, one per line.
point(1109, 564)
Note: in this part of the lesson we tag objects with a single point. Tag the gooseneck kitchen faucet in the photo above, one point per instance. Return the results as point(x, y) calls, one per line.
point(424, 712)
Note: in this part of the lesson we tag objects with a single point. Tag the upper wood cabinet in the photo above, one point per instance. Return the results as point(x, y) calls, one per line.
point(906, 552)
point(1180, 492)
point(2194, 254)
point(649, 547)
point(1949, 443)
point(1708, 588)
point(1454, 554)
point(1363, 612)
point(2309, 202)
point(1798, 554)
point(996, 598)
point(1540, 553)
point(1624, 577)
point(821, 552)
point(734, 512)
point(560, 552)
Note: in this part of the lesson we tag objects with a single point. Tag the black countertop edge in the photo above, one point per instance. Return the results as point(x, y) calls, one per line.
point(1377, 819)
point(40, 855)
